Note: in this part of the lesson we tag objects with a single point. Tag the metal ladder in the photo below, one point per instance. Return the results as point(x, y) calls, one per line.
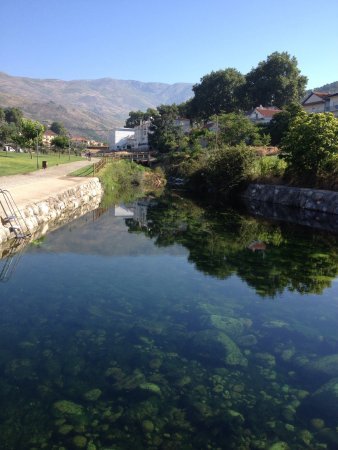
point(12, 216)
point(11, 259)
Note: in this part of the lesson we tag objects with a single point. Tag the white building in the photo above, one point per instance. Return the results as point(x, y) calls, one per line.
point(123, 139)
point(141, 135)
point(319, 102)
point(263, 114)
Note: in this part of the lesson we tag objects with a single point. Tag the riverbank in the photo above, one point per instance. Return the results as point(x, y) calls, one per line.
point(48, 195)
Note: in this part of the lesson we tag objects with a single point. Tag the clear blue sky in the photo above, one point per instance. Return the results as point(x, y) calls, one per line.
point(165, 40)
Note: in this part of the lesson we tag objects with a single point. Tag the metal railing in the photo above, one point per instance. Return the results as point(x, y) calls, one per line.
point(12, 215)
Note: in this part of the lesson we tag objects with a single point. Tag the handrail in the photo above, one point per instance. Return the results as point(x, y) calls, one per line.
point(13, 215)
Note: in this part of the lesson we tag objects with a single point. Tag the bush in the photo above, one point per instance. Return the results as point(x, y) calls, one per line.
point(229, 167)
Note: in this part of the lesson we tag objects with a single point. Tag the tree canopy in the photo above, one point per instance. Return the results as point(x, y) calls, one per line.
point(218, 92)
point(275, 82)
point(311, 141)
point(58, 128)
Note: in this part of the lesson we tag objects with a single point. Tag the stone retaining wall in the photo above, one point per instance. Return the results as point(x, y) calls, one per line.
point(81, 198)
point(310, 199)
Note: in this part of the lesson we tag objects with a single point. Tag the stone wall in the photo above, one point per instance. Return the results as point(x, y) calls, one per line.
point(70, 203)
point(310, 199)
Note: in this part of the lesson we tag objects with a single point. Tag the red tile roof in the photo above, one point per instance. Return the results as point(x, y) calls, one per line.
point(49, 133)
point(268, 111)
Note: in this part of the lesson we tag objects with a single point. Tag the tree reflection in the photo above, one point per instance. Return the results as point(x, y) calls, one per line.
point(269, 257)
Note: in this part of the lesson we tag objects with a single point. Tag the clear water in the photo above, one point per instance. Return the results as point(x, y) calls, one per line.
point(173, 327)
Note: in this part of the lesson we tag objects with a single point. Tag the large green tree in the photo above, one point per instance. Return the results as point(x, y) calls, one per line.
point(310, 143)
point(218, 92)
point(164, 134)
point(58, 128)
point(136, 117)
point(13, 115)
point(31, 133)
point(276, 81)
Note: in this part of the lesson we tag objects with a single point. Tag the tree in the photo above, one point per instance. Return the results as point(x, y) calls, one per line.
point(311, 142)
point(218, 92)
point(234, 129)
point(164, 134)
point(13, 115)
point(275, 82)
point(135, 117)
point(58, 128)
point(30, 133)
point(61, 142)
point(280, 122)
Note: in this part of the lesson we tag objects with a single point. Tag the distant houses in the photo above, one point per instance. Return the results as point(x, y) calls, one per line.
point(319, 102)
point(263, 114)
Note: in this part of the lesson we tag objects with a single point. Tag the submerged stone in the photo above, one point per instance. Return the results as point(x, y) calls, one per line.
point(326, 365)
point(151, 387)
point(67, 408)
point(216, 345)
point(279, 446)
point(80, 441)
point(325, 400)
point(148, 426)
point(93, 395)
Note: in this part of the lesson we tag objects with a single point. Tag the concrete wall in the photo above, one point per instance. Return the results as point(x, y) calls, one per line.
point(311, 199)
point(69, 203)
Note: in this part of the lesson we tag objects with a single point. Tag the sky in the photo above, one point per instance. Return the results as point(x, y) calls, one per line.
point(168, 41)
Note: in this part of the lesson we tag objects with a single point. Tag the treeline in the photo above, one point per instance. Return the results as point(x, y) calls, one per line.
point(220, 151)
point(26, 133)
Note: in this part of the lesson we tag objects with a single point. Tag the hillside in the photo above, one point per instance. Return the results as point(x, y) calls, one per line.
point(85, 106)
point(331, 88)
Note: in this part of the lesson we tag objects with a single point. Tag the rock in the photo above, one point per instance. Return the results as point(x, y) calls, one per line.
point(229, 325)
point(317, 424)
point(148, 426)
point(279, 446)
point(248, 340)
point(65, 429)
point(216, 345)
point(67, 408)
point(93, 395)
point(80, 441)
point(326, 365)
point(151, 387)
point(325, 400)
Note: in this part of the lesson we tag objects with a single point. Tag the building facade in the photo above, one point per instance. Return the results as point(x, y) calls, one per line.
point(319, 102)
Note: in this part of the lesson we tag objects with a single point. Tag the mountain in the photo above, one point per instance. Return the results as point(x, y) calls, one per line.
point(331, 88)
point(86, 106)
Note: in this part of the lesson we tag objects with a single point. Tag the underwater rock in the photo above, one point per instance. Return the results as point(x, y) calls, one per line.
point(80, 441)
point(65, 429)
point(265, 359)
point(247, 340)
point(148, 426)
point(151, 387)
point(325, 400)
point(279, 446)
point(93, 395)
point(326, 365)
point(229, 325)
point(216, 345)
point(67, 408)
point(318, 423)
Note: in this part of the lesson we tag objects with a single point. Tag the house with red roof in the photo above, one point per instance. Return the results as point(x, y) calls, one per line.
point(319, 102)
point(48, 137)
point(263, 114)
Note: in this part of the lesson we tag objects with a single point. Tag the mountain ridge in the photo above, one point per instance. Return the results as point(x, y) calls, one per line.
point(86, 106)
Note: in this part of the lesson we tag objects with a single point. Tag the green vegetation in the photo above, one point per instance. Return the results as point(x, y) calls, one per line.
point(15, 163)
point(126, 181)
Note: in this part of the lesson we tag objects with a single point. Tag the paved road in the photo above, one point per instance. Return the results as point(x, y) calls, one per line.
point(42, 184)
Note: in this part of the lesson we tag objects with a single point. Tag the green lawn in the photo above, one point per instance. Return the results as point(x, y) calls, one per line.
point(14, 163)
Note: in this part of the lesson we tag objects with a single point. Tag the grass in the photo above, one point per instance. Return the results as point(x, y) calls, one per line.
point(18, 163)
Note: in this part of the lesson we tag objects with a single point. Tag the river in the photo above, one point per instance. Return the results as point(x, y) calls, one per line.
point(165, 324)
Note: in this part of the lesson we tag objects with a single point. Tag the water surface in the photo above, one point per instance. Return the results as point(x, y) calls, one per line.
point(165, 325)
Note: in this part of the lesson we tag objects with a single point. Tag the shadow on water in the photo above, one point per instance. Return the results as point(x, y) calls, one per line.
point(148, 325)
